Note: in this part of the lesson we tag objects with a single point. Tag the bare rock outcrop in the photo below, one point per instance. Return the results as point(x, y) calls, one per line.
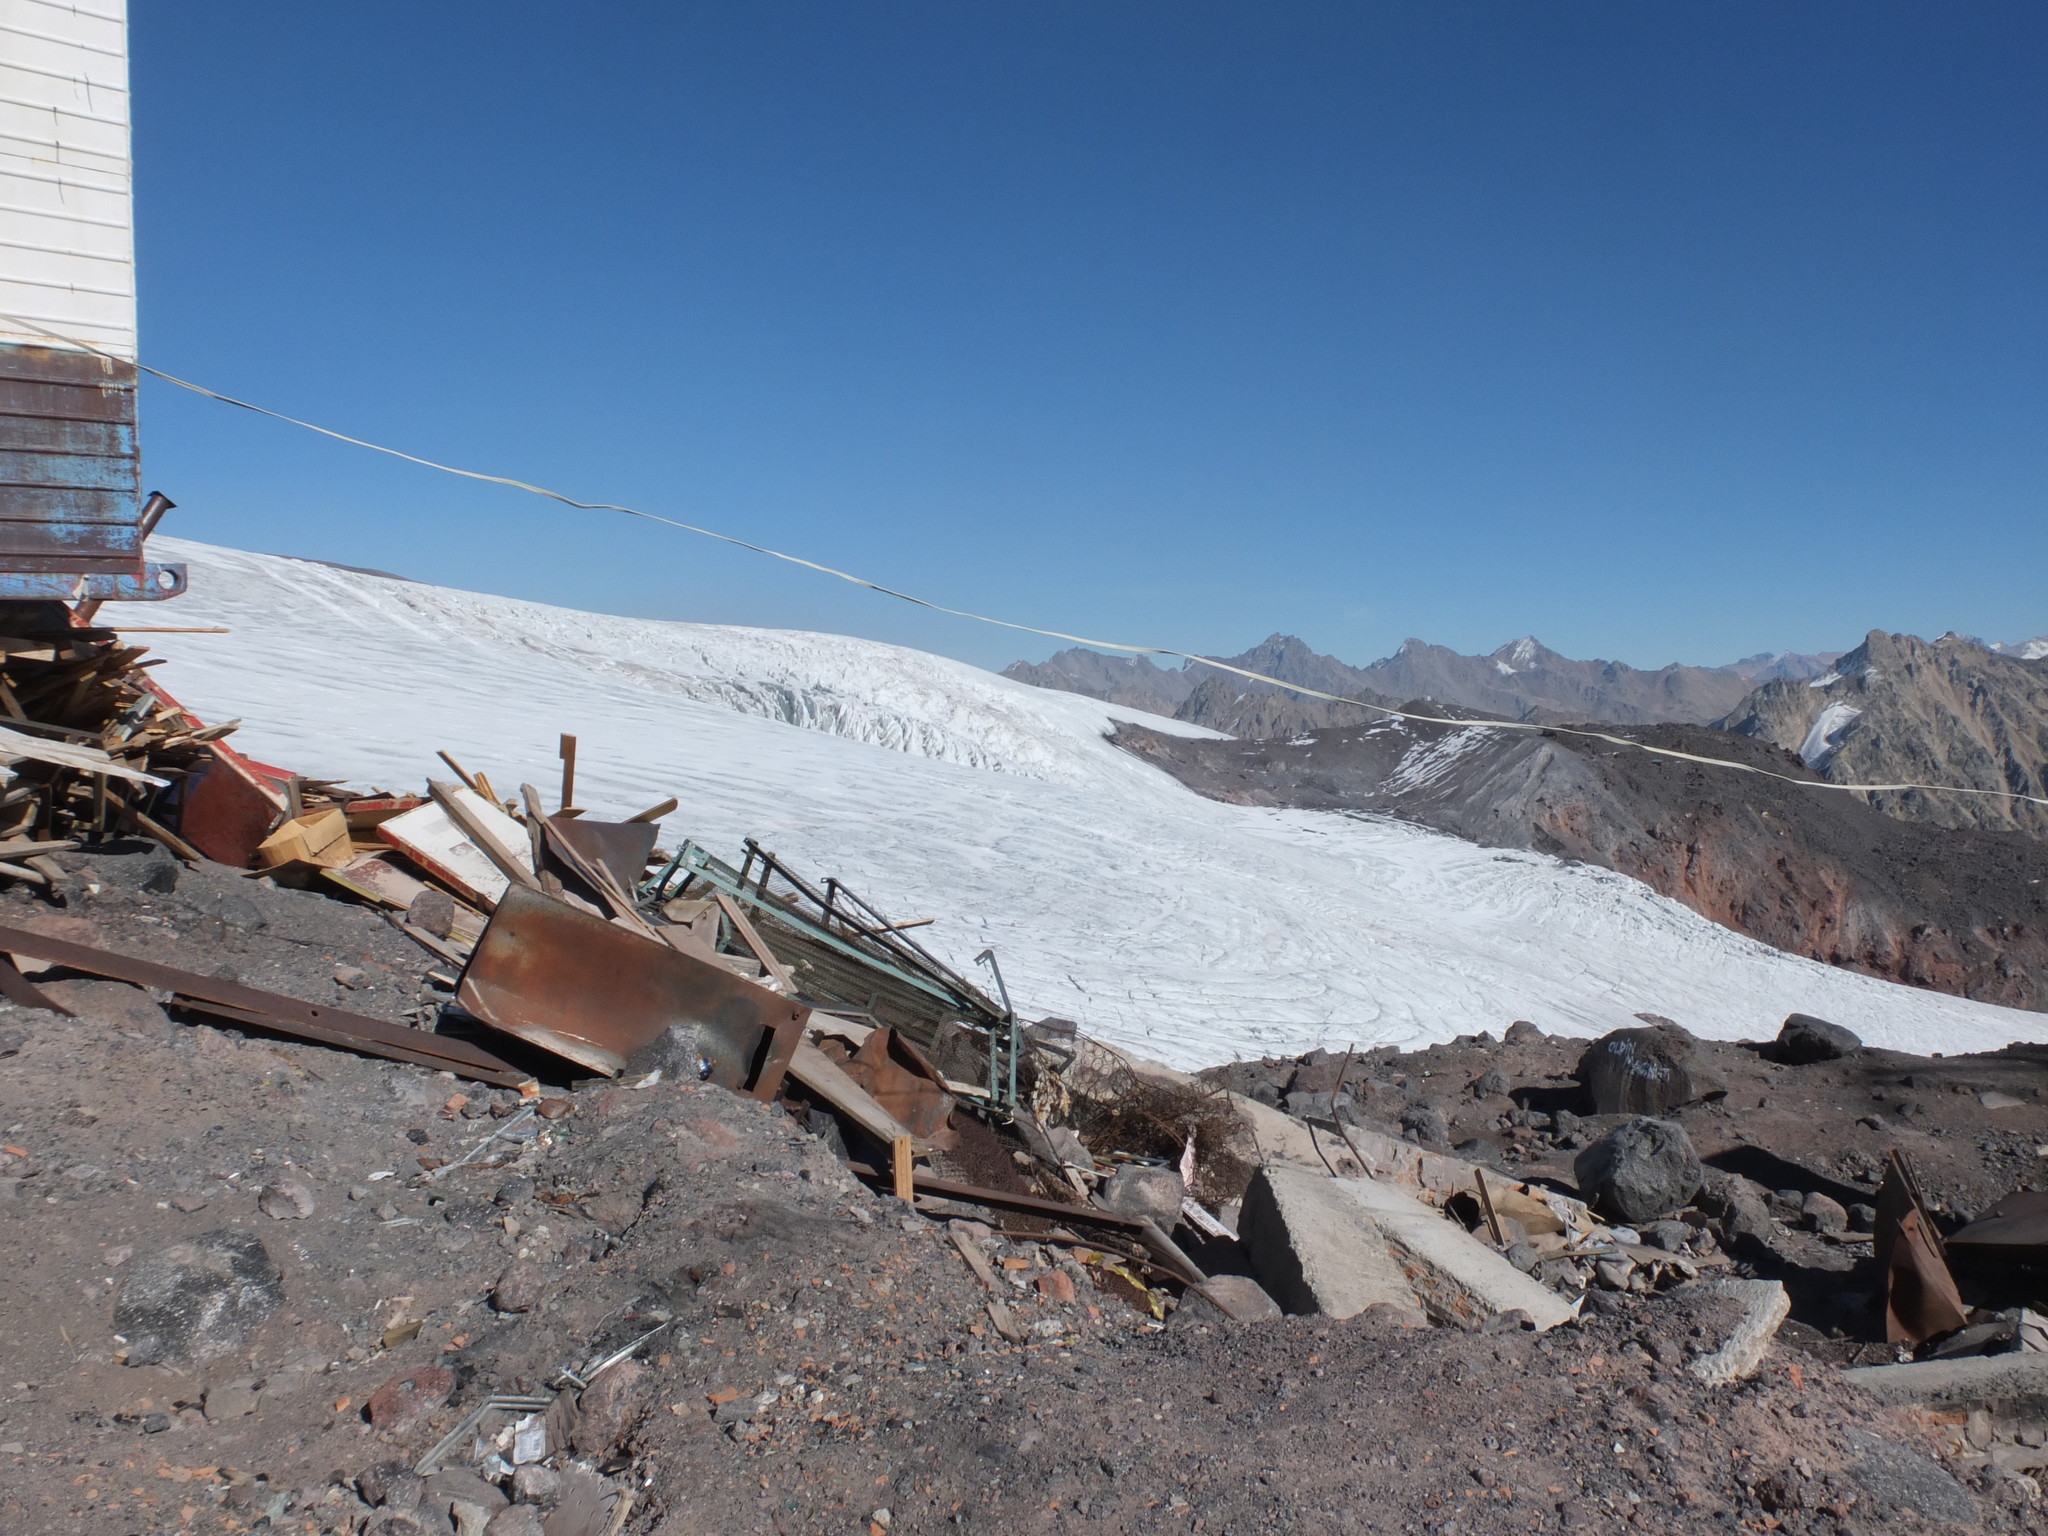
point(1899, 709)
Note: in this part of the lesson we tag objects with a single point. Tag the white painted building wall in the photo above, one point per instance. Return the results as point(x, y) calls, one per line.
point(67, 242)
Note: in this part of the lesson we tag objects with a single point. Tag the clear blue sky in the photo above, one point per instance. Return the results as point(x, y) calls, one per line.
point(1663, 331)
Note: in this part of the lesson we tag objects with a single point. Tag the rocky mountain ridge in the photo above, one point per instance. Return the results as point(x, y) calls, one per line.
point(1522, 680)
point(1899, 709)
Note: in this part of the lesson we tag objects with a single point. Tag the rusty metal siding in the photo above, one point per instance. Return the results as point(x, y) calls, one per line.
point(69, 483)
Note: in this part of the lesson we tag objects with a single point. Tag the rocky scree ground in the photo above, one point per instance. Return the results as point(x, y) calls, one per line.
point(1815, 873)
point(314, 1308)
point(1792, 1155)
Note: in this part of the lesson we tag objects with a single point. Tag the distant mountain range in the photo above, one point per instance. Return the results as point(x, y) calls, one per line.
point(1523, 680)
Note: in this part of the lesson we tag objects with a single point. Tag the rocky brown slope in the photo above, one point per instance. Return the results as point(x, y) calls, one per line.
point(1899, 709)
point(824, 1361)
point(1812, 873)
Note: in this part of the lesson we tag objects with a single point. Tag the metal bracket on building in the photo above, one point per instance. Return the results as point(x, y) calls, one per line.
point(156, 583)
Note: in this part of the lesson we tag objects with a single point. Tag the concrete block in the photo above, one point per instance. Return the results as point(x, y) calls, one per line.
point(1458, 1278)
point(1972, 1379)
point(1315, 1250)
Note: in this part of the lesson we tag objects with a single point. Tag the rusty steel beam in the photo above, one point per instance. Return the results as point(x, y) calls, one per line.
point(272, 1010)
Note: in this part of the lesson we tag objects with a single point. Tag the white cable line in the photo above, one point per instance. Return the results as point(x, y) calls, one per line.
point(1033, 629)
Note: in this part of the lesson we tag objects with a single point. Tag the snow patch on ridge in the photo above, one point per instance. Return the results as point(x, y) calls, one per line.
point(1825, 738)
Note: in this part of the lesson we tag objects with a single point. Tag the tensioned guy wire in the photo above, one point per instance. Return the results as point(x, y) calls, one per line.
point(1029, 629)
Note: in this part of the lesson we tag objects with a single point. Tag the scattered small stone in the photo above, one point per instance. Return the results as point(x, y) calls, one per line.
point(1137, 1190)
point(231, 1399)
point(1862, 1218)
point(517, 1519)
point(1426, 1123)
point(553, 1109)
point(433, 910)
point(198, 1299)
point(189, 1203)
point(1822, 1214)
point(535, 1482)
point(1491, 1084)
point(1804, 1040)
point(1671, 1236)
point(608, 1408)
point(392, 1485)
point(403, 1403)
point(351, 976)
point(519, 1288)
point(286, 1199)
point(418, 1137)
point(1057, 1286)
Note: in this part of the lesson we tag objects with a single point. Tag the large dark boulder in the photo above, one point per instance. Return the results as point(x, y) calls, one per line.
point(1649, 1071)
point(197, 1300)
point(1804, 1040)
point(1640, 1172)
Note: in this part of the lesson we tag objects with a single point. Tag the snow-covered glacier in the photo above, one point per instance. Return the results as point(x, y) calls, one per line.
point(1189, 930)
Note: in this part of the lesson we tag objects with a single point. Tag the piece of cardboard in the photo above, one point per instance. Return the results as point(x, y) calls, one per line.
point(317, 841)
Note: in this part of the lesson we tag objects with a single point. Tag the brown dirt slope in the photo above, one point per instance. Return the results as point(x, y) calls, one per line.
point(825, 1361)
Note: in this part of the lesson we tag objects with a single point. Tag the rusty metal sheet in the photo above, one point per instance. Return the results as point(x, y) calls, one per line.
point(910, 1090)
point(1920, 1294)
point(271, 1010)
point(2017, 1226)
point(621, 847)
point(227, 808)
point(597, 993)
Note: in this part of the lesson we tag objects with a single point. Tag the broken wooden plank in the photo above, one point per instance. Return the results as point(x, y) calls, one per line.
point(754, 941)
point(976, 1262)
point(902, 1163)
point(432, 839)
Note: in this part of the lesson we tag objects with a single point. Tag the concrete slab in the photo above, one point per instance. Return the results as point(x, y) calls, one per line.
point(1458, 1278)
point(1314, 1250)
point(1973, 1379)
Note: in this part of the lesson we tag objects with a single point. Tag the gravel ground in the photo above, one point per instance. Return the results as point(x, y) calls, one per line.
point(811, 1356)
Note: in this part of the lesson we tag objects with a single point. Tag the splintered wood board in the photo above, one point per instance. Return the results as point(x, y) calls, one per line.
point(431, 840)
